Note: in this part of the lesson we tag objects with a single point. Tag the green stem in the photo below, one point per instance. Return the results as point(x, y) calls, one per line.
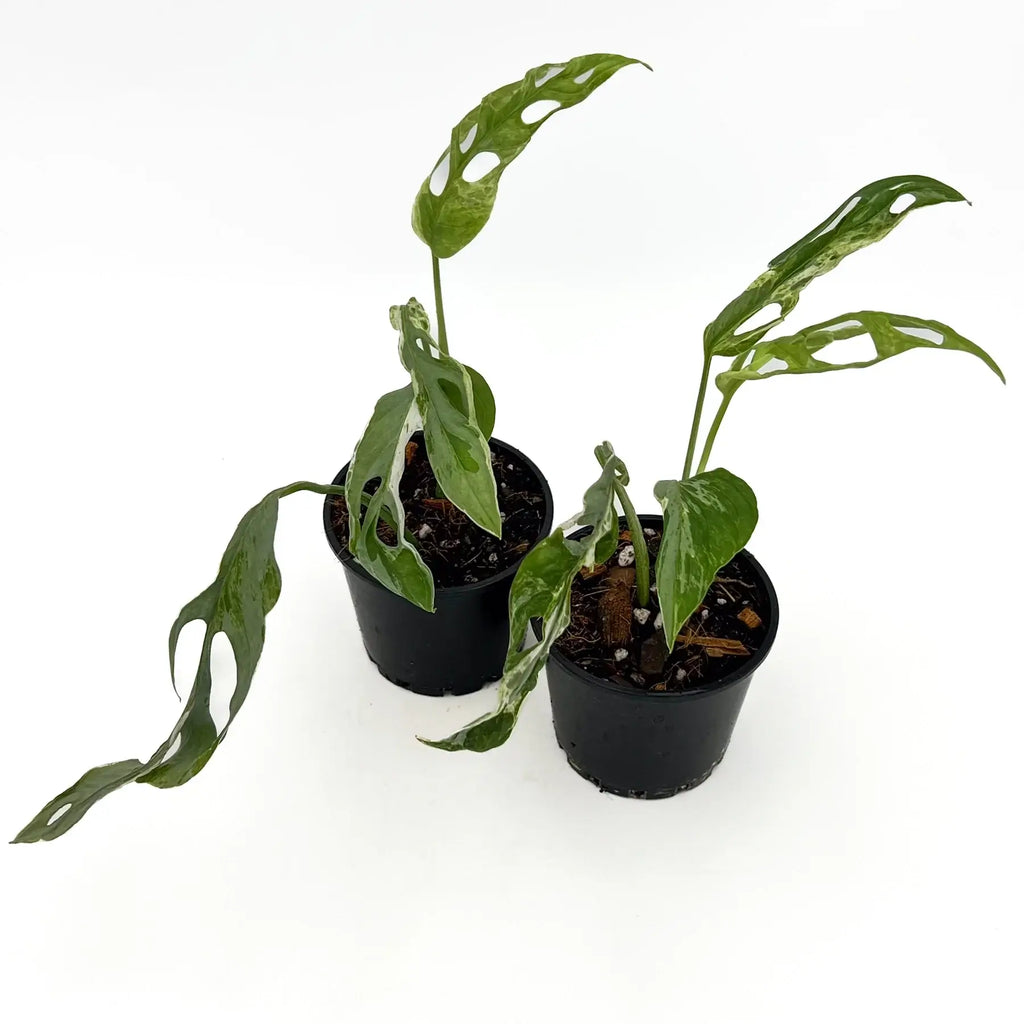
point(442, 334)
point(695, 427)
point(713, 431)
point(643, 557)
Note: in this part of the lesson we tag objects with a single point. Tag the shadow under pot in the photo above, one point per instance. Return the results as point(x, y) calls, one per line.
point(638, 742)
point(461, 646)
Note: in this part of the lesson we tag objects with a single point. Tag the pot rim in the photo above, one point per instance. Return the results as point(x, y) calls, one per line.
point(348, 560)
point(747, 668)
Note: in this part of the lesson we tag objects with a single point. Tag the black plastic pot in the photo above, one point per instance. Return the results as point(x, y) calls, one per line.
point(651, 745)
point(459, 647)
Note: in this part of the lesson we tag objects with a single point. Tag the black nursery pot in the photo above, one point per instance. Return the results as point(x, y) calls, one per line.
point(651, 745)
point(459, 647)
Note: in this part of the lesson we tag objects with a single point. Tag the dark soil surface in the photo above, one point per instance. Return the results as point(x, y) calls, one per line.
point(454, 548)
point(720, 635)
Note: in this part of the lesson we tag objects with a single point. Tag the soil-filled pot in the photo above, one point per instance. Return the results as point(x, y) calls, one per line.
point(459, 647)
point(639, 743)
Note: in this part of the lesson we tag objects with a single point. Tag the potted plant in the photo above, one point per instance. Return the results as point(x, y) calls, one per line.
point(647, 672)
point(431, 550)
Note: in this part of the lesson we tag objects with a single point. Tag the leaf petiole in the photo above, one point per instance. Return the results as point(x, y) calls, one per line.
point(698, 409)
point(713, 432)
point(442, 334)
point(643, 557)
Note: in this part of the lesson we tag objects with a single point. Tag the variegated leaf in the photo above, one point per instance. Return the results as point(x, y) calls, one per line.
point(707, 520)
point(451, 208)
point(808, 351)
point(380, 456)
point(247, 587)
point(866, 217)
point(542, 589)
point(456, 445)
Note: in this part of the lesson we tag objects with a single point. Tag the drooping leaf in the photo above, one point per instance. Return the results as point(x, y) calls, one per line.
point(542, 589)
point(483, 403)
point(599, 510)
point(456, 445)
point(68, 808)
point(247, 586)
point(807, 351)
point(707, 520)
point(449, 211)
point(866, 217)
point(380, 455)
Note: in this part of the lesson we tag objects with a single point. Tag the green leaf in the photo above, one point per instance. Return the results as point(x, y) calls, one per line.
point(483, 402)
point(542, 589)
point(72, 804)
point(452, 214)
point(707, 520)
point(891, 333)
point(247, 586)
point(380, 455)
point(456, 445)
point(864, 218)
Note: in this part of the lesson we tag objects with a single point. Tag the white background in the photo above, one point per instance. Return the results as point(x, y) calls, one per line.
point(203, 220)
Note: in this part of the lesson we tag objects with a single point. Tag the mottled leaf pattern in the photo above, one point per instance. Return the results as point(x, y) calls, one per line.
point(866, 217)
point(542, 589)
point(450, 214)
point(707, 520)
point(807, 351)
point(380, 456)
point(247, 586)
point(445, 397)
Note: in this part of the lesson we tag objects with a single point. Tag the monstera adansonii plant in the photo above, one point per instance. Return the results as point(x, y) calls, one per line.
point(709, 516)
point(449, 401)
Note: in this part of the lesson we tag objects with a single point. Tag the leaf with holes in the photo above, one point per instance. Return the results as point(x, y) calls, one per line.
point(455, 202)
point(866, 217)
point(888, 334)
point(445, 397)
point(247, 587)
point(707, 520)
point(542, 589)
point(380, 456)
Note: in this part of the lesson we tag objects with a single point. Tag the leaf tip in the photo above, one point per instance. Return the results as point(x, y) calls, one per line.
point(438, 744)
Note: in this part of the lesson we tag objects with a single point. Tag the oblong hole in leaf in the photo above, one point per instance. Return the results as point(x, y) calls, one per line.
point(224, 676)
point(541, 108)
point(439, 177)
point(481, 164)
point(172, 749)
point(549, 74)
point(858, 349)
point(468, 140)
point(186, 656)
point(58, 814)
point(772, 365)
point(765, 315)
point(924, 333)
point(580, 79)
point(902, 203)
point(835, 221)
